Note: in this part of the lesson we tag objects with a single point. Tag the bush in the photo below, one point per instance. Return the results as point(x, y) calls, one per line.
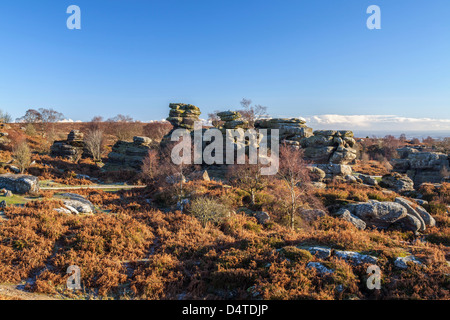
point(208, 210)
point(296, 254)
point(22, 156)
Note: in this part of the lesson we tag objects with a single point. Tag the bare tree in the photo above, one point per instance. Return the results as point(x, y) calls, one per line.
point(22, 156)
point(124, 127)
point(215, 119)
point(5, 117)
point(294, 173)
point(252, 113)
point(31, 116)
point(94, 143)
point(157, 130)
point(248, 177)
point(150, 166)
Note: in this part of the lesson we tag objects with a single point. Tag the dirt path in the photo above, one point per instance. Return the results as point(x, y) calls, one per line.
point(12, 291)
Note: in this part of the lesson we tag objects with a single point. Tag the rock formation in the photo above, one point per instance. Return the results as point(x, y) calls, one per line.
point(128, 155)
point(401, 214)
point(422, 167)
point(71, 148)
point(19, 183)
point(183, 115)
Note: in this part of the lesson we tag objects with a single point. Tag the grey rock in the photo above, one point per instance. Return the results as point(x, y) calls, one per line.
point(371, 181)
point(19, 184)
point(380, 214)
point(320, 268)
point(397, 182)
point(320, 252)
point(357, 222)
point(402, 262)
point(408, 223)
point(355, 257)
point(405, 203)
point(262, 217)
point(78, 202)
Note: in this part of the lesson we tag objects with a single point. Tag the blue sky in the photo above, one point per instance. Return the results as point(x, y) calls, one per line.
point(297, 57)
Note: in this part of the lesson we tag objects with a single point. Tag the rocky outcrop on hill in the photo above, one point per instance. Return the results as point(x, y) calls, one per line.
point(71, 148)
point(19, 183)
point(292, 130)
point(422, 167)
point(183, 115)
point(232, 120)
point(128, 155)
point(401, 214)
point(329, 146)
point(398, 182)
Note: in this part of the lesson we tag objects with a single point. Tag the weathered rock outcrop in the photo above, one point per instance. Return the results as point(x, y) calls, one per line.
point(183, 115)
point(76, 203)
point(397, 182)
point(422, 166)
point(19, 183)
point(128, 155)
point(292, 130)
point(401, 214)
point(71, 148)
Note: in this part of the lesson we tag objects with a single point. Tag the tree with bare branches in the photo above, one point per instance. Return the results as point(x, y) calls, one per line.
point(248, 178)
point(294, 173)
point(22, 156)
point(252, 113)
point(94, 142)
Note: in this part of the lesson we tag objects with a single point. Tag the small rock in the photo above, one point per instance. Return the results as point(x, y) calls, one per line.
point(62, 210)
point(262, 217)
point(402, 262)
point(320, 268)
point(368, 180)
point(71, 209)
point(8, 193)
point(320, 252)
point(3, 204)
point(356, 257)
point(357, 222)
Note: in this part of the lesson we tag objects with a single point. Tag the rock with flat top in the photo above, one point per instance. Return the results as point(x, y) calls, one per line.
point(19, 183)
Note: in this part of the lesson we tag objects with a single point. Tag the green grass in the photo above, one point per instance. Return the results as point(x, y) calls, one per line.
point(16, 199)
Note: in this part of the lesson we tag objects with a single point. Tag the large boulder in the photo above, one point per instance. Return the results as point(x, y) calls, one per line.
point(398, 182)
point(346, 215)
point(77, 202)
point(380, 214)
point(422, 166)
point(19, 183)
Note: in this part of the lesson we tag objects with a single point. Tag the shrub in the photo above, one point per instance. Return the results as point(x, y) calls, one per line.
point(208, 210)
point(296, 254)
point(22, 156)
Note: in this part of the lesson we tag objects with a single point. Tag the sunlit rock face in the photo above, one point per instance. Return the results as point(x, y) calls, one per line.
point(422, 167)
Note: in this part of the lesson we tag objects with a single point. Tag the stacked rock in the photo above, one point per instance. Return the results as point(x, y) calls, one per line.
point(75, 135)
point(433, 167)
point(292, 131)
point(71, 148)
point(128, 155)
point(232, 120)
point(329, 146)
point(183, 115)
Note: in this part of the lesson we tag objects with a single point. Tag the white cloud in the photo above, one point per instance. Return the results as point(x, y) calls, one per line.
point(377, 123)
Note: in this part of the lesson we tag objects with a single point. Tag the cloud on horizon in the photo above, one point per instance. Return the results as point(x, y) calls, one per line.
point(376, 123)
